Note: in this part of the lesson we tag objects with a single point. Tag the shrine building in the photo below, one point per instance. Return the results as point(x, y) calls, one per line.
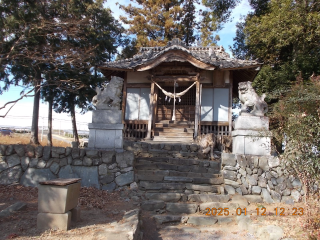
point(202, 80)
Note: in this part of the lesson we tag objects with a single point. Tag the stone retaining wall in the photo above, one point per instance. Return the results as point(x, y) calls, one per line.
point(28, 165)
point(176, 150)
point(260, 175)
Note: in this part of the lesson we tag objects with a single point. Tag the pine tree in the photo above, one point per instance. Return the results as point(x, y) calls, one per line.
point(155, 22)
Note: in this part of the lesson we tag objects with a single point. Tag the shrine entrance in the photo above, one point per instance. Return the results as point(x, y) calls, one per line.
point(184, 105)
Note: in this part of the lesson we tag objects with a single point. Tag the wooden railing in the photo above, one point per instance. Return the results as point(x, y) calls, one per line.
point(135, 129)
point(218, 128)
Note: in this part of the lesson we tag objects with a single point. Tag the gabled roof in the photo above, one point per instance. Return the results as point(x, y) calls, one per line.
point(208, 58)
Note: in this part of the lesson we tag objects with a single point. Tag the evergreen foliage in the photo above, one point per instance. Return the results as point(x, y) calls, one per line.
point(285, 36)
point(55, 43)
point(155, 22)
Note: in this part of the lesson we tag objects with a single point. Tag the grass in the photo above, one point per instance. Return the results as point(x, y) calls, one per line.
point(24, 138)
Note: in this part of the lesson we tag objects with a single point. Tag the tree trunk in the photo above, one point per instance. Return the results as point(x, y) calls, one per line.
point(74, 124)
point(49, 136)
point(34, 138)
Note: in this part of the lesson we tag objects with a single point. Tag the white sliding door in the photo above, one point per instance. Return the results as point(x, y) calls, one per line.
point(138, 104)
point(215, 104)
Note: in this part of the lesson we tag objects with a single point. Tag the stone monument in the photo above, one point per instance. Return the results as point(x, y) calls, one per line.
point(251, 133)
point(106, 127)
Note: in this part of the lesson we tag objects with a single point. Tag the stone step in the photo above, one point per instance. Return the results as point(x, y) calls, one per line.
point(161, 173)
point(198, 198)
point(145, 165)
point(175, 130)
point(203, 198)
point(178, 161)
point(179, 179)
point(202, 188)
point(194, 219)
point(173, 134)
point(173, 139)
point(176, 208)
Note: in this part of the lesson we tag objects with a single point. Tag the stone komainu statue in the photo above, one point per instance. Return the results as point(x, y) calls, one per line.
point(207, 143)
point(249, 98)
point(110, 96)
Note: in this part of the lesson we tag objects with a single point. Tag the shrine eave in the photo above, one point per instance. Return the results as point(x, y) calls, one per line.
point(205, 58)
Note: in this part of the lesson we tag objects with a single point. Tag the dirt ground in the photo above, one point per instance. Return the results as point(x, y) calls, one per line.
point(99, 209)
point(24, 138)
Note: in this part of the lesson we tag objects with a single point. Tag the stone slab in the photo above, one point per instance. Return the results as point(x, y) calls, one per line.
point(167, 197)
point(107, 116)
point(10, 175)
point(18, 206)
point(104, 126)
point(253, 198)
point(89, 176)
point(208, 198)
point(203, 206)
point(125, 178)
point(58, 199)
point(54, 221)
point(181, 207)
point(160, 219)
point(202, 221)
point(32, 177)
point(107, 137)
point(152, 205)
point(250, 143)
point(251, 123)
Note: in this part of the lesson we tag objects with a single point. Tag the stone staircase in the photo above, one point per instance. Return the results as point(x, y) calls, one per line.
point(174, 131)
point(189, 176)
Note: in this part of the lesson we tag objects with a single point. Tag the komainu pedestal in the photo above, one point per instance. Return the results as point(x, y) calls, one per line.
point(251, 133)
point(105, 131)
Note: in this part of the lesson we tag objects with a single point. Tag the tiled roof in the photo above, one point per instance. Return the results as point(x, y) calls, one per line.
point(215, 56)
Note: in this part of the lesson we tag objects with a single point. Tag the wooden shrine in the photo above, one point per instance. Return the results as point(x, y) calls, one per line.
point(175, 93)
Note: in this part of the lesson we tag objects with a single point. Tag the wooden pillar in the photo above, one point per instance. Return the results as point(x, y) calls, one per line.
point(196, 120)
point(151, 112)
point(124, 98)
point(230, 103)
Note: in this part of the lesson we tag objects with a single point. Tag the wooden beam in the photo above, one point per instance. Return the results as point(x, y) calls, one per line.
point(197, 110)
point(124, 98)
point(230, 102)
point(172, 56)
point(155, 100)
point(151, 113)
point(175, 78)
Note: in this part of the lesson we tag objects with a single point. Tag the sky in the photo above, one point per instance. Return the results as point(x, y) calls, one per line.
point(21, 114)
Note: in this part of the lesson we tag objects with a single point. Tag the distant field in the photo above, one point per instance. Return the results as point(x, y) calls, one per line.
point(24, 138)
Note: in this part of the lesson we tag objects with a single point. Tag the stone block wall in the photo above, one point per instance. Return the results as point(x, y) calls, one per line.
point(175, 150)
point(28, 165)
point(260, 175)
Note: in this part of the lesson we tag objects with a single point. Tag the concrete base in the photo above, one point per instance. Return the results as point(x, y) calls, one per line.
point(252, 123)
point(106, 136)
point(106, 116)
point(75, 214)
point(54, 221)
point(58, 199)
point(251, 142)
point(105, 131)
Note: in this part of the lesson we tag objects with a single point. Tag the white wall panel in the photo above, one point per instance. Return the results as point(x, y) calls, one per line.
point(207, 104)
point(132, 108)
point(221, 104)
point(144, 104)
point(138, 104)
point(214, 104)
